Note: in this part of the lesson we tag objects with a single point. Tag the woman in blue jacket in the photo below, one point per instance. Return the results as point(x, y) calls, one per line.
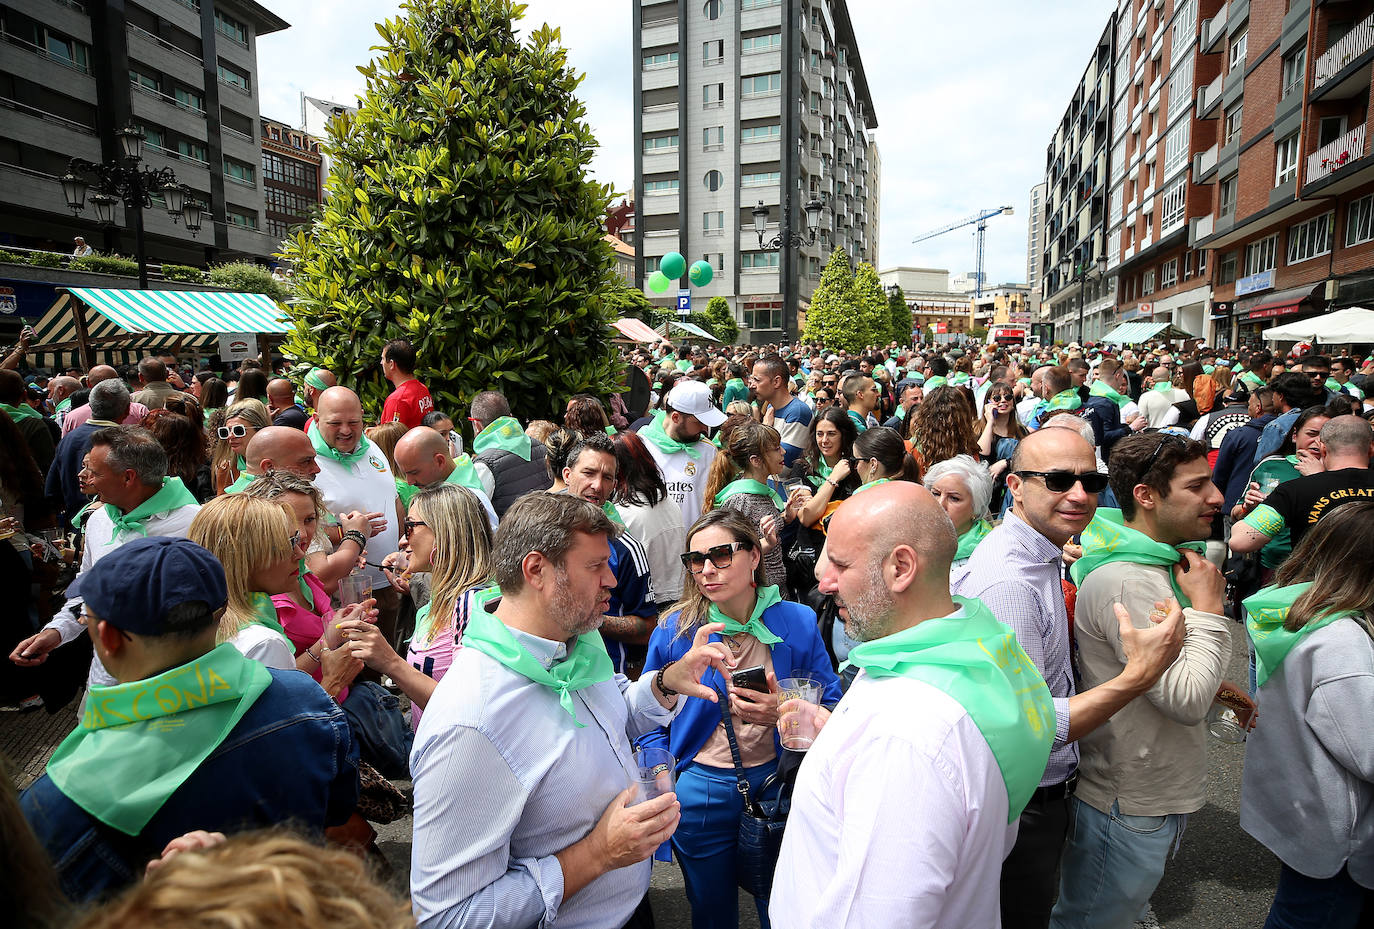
point(725, 584)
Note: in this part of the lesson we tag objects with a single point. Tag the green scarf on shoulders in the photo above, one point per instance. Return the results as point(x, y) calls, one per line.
point(1100, 388)
point(858, 421)
point(976, 660)
point(20, 411)
point(265, 612)
point(464, 474)
point(1251, 378)
point(747, 485)
point(969, 540)
point(766, 597)
point(172, 496)
point(240, 482)
point(862, 487)
point(504, 434)
point(1065, 400)
point(655, 435)
point(1265, 614)
point(140, 741)
point(1108, 539)
point(323, 448)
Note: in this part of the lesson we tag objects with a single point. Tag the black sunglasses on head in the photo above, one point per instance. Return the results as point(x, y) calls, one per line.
point(1165, 439)
point(721, 556)
point(1061, 482)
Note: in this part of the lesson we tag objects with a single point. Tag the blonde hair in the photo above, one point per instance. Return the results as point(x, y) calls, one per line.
point(258, 880)
point(462, 539)
point(251, 411)
point(275, 484)
point(246, 534)
point(385, 437)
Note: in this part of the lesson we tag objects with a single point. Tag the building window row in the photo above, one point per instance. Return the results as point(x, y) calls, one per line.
point(756, 44)
point(278, 200)
point(238, 216)
point(289, 171)
point(1312, 238)
point(654, 188)
point(231, 28)
point(240, 171)
point(235, 77)
point(19, 29)
point(1173, 210)
point(758, 261)
point(659, 145)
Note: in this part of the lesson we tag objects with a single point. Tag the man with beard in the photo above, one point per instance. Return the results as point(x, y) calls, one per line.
point(1017, 570)
point(527, 740)
point(947, 708)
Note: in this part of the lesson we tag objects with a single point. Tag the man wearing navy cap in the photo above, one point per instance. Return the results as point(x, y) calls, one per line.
point(192, 735)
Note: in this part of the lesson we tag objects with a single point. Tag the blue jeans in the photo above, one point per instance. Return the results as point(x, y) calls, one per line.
point(705, 842)
point(1317, 903)
point(1112, 864)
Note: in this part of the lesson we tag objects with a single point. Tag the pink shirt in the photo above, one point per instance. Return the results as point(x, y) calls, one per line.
point(81, 414)
point(434, 658)
point(304, 627)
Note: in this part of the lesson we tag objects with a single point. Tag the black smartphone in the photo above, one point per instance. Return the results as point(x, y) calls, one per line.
point(755, 679)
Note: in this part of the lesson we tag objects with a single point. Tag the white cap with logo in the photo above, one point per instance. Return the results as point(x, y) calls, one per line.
point(694, 398)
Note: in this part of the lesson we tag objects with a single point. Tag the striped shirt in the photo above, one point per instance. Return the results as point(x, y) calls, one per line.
point(1016, 571)
point(793, 423)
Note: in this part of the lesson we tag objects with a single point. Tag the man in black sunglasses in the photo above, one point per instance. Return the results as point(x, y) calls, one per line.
point(1018, 572)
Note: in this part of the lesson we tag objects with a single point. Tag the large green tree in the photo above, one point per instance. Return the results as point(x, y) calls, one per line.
point(870, 305)
point(900, 316)
point(722, 320)
point(460, 215)
point(831, 319)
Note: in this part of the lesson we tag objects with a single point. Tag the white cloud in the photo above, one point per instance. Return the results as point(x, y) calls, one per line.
point(967, 96)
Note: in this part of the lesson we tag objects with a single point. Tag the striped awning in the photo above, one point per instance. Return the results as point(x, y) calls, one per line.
point(1138, 333)
point(185, 311)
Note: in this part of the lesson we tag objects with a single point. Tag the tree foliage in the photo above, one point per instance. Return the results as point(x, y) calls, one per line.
point(249, 278)
point(870, 306)
point(899, 314)
point(721, 320)
point(459, 215)
point(831, 319)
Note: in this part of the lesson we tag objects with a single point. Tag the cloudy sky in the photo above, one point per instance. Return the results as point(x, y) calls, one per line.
point(967, 95)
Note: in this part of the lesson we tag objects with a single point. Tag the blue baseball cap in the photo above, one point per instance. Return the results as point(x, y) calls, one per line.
point(134, 586)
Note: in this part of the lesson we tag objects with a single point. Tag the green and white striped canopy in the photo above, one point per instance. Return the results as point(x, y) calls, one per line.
point(185, 311)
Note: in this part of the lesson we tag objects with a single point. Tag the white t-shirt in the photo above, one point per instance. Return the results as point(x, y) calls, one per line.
point(686, 477)
point(265, 645)
point(916, 839)
point(1158, 405)
point(367, 486)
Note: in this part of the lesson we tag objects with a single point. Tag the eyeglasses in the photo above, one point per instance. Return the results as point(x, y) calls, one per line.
point(1166, 439)
point(1318, 375)
point(237, 432)
point(721, 556)
point(410, 525)
point(1061, 482)
point(295, 540)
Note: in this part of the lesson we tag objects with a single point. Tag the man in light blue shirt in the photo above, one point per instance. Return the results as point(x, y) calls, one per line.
point(523, 768)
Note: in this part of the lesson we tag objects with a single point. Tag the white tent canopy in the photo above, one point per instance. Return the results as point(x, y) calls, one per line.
point(1343, 327)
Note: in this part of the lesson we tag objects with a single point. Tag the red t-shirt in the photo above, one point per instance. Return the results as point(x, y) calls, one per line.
point(408, 404)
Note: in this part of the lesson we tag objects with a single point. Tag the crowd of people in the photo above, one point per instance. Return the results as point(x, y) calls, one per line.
point(865, 635)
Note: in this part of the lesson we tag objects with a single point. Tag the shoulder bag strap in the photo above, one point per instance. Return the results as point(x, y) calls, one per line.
point(741, 782)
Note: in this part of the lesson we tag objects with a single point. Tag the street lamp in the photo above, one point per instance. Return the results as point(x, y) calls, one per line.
point(126, 182)
point(1080, 275)
point(786, 238)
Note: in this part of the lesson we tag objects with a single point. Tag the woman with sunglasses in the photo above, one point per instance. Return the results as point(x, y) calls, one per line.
point(1308, 783)
point(999, 432)
point(726, 584)
point(242, 421)
point(738, 480)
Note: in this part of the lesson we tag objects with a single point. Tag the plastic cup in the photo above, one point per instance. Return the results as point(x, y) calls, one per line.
point(1224, 725)
point(655, 774)
point(799, 700)
point(354, 589)
point(1267, 485)
point(52, 543)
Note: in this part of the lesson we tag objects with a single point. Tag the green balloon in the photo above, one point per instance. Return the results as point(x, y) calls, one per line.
point(658, 282)
point(673, 265)
point(701, 273)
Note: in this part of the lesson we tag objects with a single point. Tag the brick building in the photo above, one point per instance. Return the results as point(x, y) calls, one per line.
point(292, 177)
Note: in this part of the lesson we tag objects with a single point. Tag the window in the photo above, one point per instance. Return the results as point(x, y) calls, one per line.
point(1261, 256)
point(750, 45)
point(228, 74)
point(715, 259)
point(766, 316)
point(761, 85)
point(57, 46)
point(712, 180)
point(1117, 203)
point(193, 150)
point(191, 99)
point(1286, 160)
point(758, 261)
point(1312, 238)
point(713, 138)
point(248, 219)
point(660, 60)
point(1294, 70)
point(1201, 262)
point(1329, 130)
point(815, 61)
point(1181, 86)
point(1228, 196)
point(1176, 147)
point(1233, 117)
point(712, 96)
point(1237, 56)
point(154, 137)
point(815, 102)
point(239, 171)
point(652, 188)
point(231, 28)
point(1168, 274)
point(771, 133)
point(1226, 271)
point(651, 263)
point(757, 4)
point(760, 179)
point(713, 222)
point(139, 79)
point(713, 52)
point(1173, 209)
point(658, 145)
point(712, 9)
point(1147, 283)
point(1185, 18)
point(1359, 221)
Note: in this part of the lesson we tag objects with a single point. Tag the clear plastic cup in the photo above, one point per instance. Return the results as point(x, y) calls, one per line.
point(799, 700)
point(1224, 725)
point(354, 589)
point(655, 774)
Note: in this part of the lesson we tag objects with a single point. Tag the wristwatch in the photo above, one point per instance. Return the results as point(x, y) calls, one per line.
point(658, 680)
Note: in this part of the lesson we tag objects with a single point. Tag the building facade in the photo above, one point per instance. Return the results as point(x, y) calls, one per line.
point(292, 179)
point(1003, 305)
point(935, 307)
point(1035, 244)
point(741, 104)
point(73, 73)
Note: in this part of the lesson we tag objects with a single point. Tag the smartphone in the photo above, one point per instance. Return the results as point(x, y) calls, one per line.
point(755, 679)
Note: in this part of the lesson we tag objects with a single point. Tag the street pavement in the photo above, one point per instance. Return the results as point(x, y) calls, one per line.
point(1220, 879)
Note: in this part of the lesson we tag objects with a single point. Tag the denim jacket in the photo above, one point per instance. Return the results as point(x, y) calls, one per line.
point(291, 760)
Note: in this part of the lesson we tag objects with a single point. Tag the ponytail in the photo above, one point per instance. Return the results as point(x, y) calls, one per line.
point(886, 445)
point(722, 472)
point(740, 441)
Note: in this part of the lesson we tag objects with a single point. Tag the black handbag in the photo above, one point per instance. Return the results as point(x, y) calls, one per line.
point(763, 820)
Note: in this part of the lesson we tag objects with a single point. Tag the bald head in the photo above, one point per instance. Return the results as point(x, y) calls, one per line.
point(1162, 375)
point(339, 414)
point(281, 392)
point(281, 448)
point(422, 457)
point(60, 388)
point(317, 382)
point(1055, 515)
point(100, 373)
point(1347, 437)
point(1049, 449)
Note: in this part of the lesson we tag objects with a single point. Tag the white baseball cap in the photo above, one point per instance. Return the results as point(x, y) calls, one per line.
point(694, 398)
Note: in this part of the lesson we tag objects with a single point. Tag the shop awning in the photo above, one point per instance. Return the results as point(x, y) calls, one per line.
point(693, 329)
point(1351, 326)
point(637, 331)
point(185, 311)
point(1136, 333)
point(1284, 303)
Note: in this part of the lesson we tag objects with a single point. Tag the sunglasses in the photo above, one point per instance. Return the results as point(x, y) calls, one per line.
point(1061, 482)
point(721, 556)
point(1166, 439)
point(410, 525)
point(237, 432)
point(998, 397)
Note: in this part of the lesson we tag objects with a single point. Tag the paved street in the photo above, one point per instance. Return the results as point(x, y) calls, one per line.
point(1221, 879)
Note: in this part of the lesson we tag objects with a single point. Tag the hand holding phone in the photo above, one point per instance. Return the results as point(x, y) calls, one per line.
point(755, 679)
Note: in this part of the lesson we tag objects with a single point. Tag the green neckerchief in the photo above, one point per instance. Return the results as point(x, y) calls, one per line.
point(1064, 400)
point(587, 663)
point(975, 660)
point(612, 431)
point(936, 381)
point(1333, 385)
point(1209, 369)
point(765, 598)
point(405, 491)
point(1253, 379)
point(747, 485)
point(862, 487)
point(306, 593)
point(684, 365)
point(20, 412)
point(265, 613)
point(735, 389)
point(464, 474)
point(1024, 381)
point(612, 513)
point(858, 421)
point(323, 448)
point(969, 540)
point(172, 496)
point(1266, 612)
point(1100, 388)
point(240, 464)
point(64, 406)
point(1108, 539)
point(1166, 387)
point(140, 741)
point(958, 379)
point(84, 513)
point(504, 434)
point(655, 436)
point(240, 482)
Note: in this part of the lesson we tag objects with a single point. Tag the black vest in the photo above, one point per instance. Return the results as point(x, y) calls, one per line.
point(513, 476)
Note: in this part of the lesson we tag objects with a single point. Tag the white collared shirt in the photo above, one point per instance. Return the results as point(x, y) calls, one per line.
point(367, 486)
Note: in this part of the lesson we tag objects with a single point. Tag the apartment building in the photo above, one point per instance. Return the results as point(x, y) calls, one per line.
point(74, 72)
point(292, 180)
point(1035, 243)
point(1076, 296)
point(741, 103)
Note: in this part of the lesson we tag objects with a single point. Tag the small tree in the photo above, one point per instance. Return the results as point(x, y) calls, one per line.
point(249, 278)
point(899, 316)
point(870, 305)
point(831, 318)
point(722, 320)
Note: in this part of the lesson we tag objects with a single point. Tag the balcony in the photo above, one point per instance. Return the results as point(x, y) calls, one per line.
point(1201, 228)
point(1214, 29)
point(1336, 155)
point(1351, 47)
point(1206, 163)
point(1209, 97)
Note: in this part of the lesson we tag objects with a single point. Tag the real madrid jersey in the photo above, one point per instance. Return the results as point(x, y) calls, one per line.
point(685, 477)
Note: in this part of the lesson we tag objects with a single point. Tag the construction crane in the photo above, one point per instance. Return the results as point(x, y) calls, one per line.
point(981, 220)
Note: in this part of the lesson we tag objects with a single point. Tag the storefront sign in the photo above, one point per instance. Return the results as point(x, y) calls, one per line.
point(1271, 311)
point(1252, 283)
point(238, 346)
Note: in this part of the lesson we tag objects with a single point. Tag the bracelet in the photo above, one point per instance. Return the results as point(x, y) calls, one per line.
point(658, 680)
point(313, 656)
point(353, 535)
point(831, 482)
